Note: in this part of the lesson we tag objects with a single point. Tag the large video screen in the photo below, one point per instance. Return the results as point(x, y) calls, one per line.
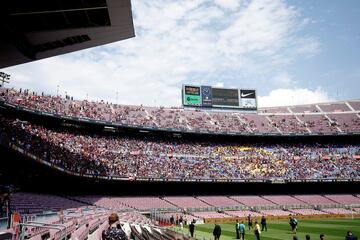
point(215, 97)
point(225, 97)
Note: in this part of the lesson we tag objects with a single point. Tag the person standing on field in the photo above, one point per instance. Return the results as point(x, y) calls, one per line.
point(257, 230)
point(263, 223)
point(217, 231)
point(242, 230)
point(249, 221)
point(237, 230)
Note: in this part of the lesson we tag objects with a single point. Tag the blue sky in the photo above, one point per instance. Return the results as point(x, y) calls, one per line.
point(292, 52)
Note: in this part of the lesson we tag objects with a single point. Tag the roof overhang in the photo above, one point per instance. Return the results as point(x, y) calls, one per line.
point(37, 29)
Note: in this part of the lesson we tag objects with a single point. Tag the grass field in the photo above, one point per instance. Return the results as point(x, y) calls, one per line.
point(333, 230)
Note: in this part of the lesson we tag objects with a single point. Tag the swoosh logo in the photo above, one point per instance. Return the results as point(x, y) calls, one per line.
point(245, 95)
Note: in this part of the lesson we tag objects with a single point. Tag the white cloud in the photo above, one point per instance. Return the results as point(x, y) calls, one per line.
point(284, 80)
point(296, 96)
point(228, 4)
point(177, 42)
point(219, 84)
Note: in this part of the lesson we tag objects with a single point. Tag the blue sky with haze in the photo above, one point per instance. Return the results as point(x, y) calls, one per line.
point(292, 52)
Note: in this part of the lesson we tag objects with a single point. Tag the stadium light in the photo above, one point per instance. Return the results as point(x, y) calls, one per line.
point(4, 78)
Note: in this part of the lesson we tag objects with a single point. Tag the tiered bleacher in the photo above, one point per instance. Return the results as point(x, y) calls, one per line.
point(28, 203)
point(338, 117)
point(305, 211)
point(314, 199)
point(86, 216)
point(186, 202)
point(58, 217)
point(252, 200)
point(344, 199)
point(121, 203)
point(283, 200)
point(243, 213)
point(122, 156)
point(274, 212)
point(338, 211)
point(219, 201)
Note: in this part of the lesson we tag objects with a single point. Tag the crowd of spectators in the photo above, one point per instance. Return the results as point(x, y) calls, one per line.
point(340, 119)
point(151, 157)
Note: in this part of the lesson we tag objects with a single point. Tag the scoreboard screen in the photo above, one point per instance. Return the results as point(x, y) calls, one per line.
point(225, 97)
point(215, 97)
point(191, 96)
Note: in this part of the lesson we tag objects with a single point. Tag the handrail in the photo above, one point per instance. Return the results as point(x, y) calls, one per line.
point(59, 227)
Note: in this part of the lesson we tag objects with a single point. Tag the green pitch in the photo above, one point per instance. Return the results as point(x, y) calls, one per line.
point(333, 230)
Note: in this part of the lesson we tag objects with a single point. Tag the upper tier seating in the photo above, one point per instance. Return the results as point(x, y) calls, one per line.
point(275, 120)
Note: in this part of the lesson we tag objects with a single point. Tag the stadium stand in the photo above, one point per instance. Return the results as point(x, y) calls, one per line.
point(315, 119)
point(334, 107)
point(314, 199)
point(355, 105)
point(242, 213)
point(30, 203)
point(219, 201)
point(126, 157)
point(338, 211)
point(82, 220)
point(344, 199)
point(274, 212)
point(252, 200)
point(283, 200)
point(186, 202)
point(210, 215)
point(120, 203)
point(305, 211)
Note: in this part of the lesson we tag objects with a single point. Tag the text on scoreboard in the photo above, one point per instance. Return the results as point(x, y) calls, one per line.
point(207, 96)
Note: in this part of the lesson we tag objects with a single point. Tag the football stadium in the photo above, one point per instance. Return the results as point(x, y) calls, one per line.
point(218, 166)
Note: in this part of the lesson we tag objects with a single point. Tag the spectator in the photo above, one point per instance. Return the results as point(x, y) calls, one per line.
point(350, 236)
point(217, 231)
point(192, 228)
point(114, 232)
point(109, 156)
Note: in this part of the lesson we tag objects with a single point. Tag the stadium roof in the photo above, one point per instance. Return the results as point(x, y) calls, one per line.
point(37, 29)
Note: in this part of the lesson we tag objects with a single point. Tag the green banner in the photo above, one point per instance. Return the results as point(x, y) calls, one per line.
point(192, 100)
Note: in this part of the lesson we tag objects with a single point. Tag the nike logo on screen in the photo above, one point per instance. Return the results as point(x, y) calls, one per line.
point(245, 95)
